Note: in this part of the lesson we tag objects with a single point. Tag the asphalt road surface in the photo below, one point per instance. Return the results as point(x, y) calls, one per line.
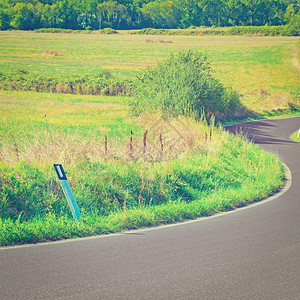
point(251, 253)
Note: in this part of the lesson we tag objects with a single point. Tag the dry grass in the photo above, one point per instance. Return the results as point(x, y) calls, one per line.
point(159, 41)
point(163, 140)
point(263, 100)
point(53, 53)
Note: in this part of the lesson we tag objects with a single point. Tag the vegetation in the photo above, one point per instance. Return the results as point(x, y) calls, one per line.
point(103, 83)
point(126, 172)
point(61, 30)
point(296, 136)
point(253, 66)
point(131, 14)
point(292, 29)
point(193, 32)
point(132, 182)
point(183, 85)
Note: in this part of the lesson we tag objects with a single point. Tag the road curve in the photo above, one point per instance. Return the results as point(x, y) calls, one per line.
point(249, 254)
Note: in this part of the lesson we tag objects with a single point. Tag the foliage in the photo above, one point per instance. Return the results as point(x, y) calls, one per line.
point(160, 14)
point(136, 14)
point(193, 32)
point(103, 83)
point(108, 31)
point(60, 30)
point(182, 85)
point(292, 29)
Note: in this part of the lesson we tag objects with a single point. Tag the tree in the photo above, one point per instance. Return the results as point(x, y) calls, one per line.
point(25, 17)
point(111, 14)
point(291, 10)
point(236, 12)
point(6, 15)
point(161, 14)
point(213, 12)
point(188, 13)
point(88, 14)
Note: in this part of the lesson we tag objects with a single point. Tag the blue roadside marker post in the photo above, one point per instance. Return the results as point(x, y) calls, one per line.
point(67, 191)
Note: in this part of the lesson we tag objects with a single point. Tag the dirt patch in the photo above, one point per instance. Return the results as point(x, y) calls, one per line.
point(53, 53)
point(159, 41)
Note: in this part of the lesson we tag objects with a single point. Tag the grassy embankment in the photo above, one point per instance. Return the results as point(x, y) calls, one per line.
point(206, 171)
point(296, 136)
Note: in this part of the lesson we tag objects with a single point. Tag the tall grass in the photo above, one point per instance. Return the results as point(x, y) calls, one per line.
point(212, 172)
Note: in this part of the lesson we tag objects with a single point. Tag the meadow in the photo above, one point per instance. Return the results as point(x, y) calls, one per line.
point(265, 70)
point(129, 172)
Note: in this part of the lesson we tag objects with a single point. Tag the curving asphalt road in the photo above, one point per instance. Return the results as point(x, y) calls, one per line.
point(252, 253)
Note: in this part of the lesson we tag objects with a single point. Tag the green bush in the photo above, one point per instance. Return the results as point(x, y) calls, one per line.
point(108, 31)
point(153, 31)
point(191, 31)
point(184, 85)
point(53, 30)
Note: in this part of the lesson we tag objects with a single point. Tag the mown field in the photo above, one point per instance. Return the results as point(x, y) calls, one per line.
point(129, 172)
point(265, 70)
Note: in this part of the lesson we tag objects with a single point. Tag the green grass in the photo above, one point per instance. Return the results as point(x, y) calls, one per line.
point(248, 64)
point(23, 113)
point(210, 170)
point(126, 54)
point(296, 136)
point(193, 187)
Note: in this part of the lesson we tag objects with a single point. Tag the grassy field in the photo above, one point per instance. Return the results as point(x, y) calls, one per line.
point(179, 169)
point(245, 63)
point(265, 70)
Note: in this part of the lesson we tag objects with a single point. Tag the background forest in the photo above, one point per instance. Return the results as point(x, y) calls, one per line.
point(136, 14)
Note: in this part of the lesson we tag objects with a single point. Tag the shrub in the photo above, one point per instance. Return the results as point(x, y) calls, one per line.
point(194, 32)
point(53, 30)
point(108, 31)
point(184, 85)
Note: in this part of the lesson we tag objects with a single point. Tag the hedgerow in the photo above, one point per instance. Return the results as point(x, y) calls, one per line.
point(61, 30)
point(103, 83)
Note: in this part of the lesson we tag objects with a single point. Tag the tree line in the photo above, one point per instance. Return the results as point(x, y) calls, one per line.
point(136, 14)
